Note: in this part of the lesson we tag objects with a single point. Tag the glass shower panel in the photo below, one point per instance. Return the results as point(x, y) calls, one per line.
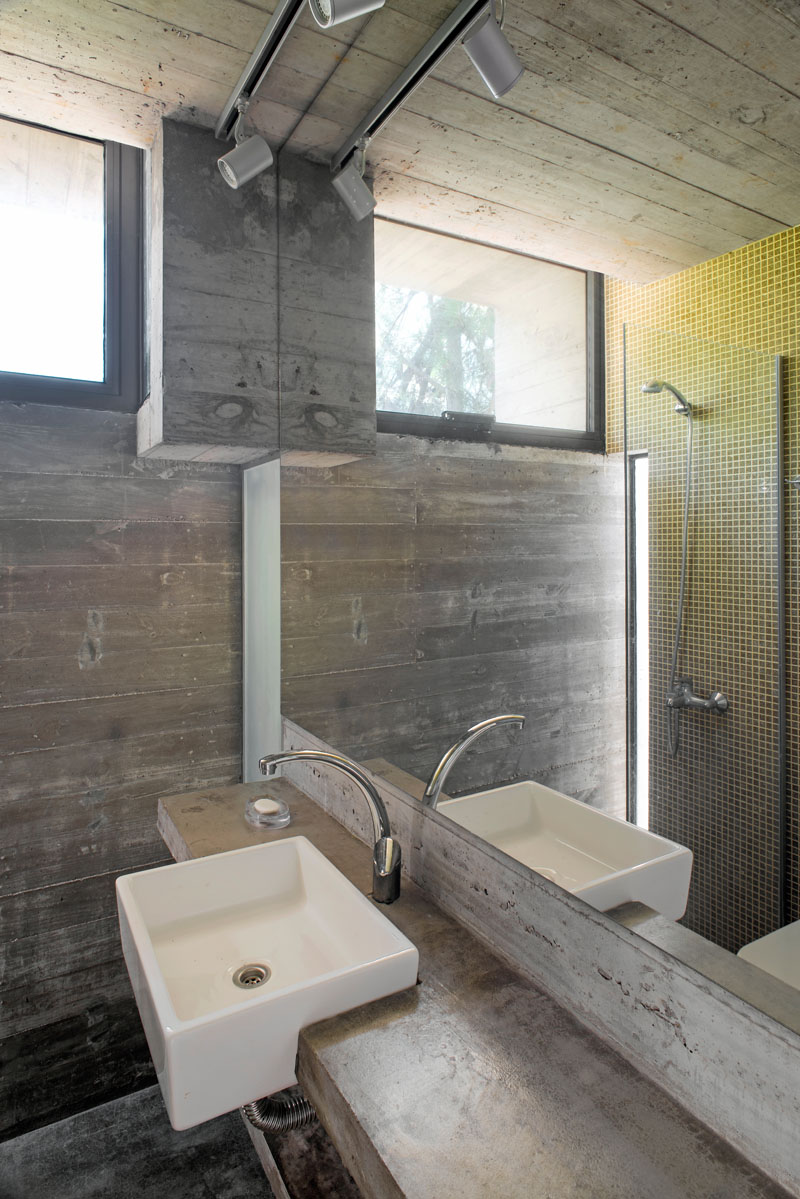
point(721, 793)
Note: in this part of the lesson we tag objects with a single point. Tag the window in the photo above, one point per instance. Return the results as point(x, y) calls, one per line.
point(508, 347)
point(70, 244)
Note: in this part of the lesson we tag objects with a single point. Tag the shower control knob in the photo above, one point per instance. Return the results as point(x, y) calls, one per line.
point(682, 696)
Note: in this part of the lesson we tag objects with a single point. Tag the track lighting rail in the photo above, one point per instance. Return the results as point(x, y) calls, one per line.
point(272, 39)
point(446, 36)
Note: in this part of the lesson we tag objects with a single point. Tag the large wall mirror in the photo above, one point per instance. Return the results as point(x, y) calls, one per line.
point(444, 581)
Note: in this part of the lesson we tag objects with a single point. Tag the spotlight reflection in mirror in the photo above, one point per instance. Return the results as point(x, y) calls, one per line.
point(354, 191)
point(246, 160)
point(333, 12)
point(492, 56)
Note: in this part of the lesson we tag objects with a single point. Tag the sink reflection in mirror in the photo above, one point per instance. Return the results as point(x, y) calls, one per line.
point(778, 953)
point(604, 860)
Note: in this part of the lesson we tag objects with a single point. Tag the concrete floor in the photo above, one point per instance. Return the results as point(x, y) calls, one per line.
point(127, 1150)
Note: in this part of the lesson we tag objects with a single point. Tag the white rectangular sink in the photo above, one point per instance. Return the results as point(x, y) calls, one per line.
point(309, 944)
point(604, 860)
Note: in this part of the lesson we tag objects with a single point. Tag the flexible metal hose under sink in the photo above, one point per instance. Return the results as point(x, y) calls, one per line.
point(279, 1113)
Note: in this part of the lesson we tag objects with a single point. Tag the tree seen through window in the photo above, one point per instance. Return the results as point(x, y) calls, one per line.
point(433, 353)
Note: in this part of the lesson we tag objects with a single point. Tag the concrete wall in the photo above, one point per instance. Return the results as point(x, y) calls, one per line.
point(121, 616)
point(327, 318)
point(121, 668)
point(261, 310)
point(438, 584)
point(213, 312)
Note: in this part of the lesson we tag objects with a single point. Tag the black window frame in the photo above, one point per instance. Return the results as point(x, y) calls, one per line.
point(122, 388)
point(592, 439)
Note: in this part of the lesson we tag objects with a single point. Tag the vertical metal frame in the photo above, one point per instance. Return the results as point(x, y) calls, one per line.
point(631, 641)
point(261, 615)
point(121, 389)
point(784, 895)
point(596, 357)
point(125, 273)
point(630, 682)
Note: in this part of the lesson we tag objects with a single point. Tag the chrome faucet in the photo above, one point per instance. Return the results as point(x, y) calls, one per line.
point(431, 797)
point(386, 851)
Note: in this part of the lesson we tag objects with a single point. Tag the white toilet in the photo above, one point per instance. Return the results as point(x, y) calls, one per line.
point(778, 953)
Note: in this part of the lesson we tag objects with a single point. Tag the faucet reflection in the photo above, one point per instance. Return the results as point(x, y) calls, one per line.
point(433, 790)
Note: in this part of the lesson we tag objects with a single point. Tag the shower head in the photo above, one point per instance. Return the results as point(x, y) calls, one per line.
point(654, 386)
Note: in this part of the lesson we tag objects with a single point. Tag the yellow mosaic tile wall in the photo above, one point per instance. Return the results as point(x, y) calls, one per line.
point(749, 298)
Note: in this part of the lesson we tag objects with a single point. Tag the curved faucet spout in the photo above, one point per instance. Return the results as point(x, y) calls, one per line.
point(433, 790)
point(386, 856)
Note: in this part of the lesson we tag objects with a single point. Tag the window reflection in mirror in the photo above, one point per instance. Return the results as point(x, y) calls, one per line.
point(468, 328)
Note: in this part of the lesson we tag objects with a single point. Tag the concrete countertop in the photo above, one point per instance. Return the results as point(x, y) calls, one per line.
point(475, 1082)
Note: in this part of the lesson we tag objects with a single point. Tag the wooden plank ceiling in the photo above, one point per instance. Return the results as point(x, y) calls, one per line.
point(643, 138)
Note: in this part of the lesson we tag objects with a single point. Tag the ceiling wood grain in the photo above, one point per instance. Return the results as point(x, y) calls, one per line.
point(643, 138)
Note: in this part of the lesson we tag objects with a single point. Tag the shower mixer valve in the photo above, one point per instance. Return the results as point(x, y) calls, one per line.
point(682, 696)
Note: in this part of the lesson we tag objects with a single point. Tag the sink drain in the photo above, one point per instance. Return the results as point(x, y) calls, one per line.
point(251, 975)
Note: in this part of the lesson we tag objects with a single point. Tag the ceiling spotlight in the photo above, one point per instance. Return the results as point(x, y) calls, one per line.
point(333, 12)
point(491, 55)
point(350, 185)
point(249, 157)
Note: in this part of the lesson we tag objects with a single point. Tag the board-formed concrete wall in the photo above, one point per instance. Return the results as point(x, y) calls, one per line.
point(261, 313)
point(440, 583)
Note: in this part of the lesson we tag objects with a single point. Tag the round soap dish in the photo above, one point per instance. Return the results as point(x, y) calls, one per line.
point(265, 812)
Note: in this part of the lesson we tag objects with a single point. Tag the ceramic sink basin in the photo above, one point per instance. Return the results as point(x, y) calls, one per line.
point(778, 953)
point(604, 860)
point(231, 955)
